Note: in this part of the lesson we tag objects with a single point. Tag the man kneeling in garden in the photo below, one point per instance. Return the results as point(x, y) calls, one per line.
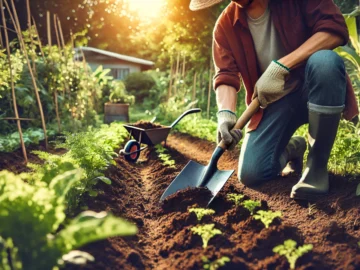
point(282, 51)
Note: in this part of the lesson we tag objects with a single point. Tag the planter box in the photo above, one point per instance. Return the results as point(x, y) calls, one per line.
point(116, 112)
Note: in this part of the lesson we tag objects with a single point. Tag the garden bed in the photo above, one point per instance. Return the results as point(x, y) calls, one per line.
point(165, 240)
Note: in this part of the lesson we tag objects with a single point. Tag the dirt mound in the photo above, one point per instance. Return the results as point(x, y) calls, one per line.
point(146, 125)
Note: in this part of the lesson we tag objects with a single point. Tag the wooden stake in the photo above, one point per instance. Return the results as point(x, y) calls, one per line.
point(61, 33)
point(171, 79)
point(30, 35)
point(177, 73)
point(22, 45)
point(38, 39)
point(57, 33)
point(48, 27)
point(12, 86)
point(183, 68)
point(194, 88)
point(1, 40)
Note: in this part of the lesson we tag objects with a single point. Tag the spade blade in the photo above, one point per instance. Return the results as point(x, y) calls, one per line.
point(191, 177)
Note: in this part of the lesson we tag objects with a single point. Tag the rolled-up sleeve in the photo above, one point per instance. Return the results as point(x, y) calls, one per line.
point(226, 70)
point(325, 16)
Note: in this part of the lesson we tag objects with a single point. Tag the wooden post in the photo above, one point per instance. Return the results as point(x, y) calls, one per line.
point(30, 35)
point(48, 27)
point(61, 33)
point(194, 88)
point(12, 85)
point(57, 33)
point(38, 39)
point(209, 94)
point(36, 90)
point(1, 40)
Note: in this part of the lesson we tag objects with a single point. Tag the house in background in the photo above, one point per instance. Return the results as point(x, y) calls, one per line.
point(120, 65)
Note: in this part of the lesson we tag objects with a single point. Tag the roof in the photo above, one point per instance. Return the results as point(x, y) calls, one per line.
point(116, 55)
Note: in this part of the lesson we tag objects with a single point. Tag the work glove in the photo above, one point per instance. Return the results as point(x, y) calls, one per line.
point(226, 122)
point(271, 85)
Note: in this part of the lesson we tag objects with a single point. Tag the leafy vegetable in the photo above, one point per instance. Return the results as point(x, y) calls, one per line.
point(236, 198)
point(251, 205)
point(206, 232)
point(164, 157)
point(215, 264)
point(289, 250)
point(201, 212)
point(266, 217)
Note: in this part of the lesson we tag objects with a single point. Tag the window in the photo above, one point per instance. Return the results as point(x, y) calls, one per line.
point(120, 73)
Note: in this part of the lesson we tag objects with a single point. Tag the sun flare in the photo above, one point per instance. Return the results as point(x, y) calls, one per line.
point(146, 8)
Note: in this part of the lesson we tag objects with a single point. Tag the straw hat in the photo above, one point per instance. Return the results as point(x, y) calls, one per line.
point(201, 4)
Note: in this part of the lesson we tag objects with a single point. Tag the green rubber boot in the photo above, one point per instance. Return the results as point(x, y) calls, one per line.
point(315, 178)
point(293, 156)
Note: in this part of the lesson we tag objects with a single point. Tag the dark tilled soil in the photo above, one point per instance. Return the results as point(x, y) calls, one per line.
point(146, 125)
point(165, 240)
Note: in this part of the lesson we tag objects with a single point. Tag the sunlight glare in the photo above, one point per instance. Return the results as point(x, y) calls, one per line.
point(146, 8)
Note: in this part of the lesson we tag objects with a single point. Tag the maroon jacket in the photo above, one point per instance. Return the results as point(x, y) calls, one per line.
point(295, 20)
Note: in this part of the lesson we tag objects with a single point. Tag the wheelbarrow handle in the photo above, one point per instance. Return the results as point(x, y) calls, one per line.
point(244, 118)
point(196, 110)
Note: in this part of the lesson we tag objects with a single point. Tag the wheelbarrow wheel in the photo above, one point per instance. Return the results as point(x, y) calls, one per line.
point(132, 146)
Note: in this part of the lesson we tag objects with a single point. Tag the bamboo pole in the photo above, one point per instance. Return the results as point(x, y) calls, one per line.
point(177, 73)
point(22, 45)
point(209, 95)
point(194, 88)
point(171, 79)
point(30, 35)
point(38, 39)
point(13, 87)
point(48, 28)
point(1, 40)
point(57, 33)
point(61, 33)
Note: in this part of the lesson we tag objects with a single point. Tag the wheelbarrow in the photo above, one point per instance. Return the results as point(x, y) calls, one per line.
point(149, 137)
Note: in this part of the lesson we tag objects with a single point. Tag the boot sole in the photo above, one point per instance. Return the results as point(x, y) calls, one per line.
point(307, 196)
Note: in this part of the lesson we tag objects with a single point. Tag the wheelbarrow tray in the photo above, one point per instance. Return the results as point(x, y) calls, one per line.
point(151, 136)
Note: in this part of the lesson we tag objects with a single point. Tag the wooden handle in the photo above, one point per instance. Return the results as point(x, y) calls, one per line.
point(244, 118)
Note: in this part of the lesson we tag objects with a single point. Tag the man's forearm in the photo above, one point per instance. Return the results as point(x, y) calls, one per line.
point(226, 97)
point(319, 41)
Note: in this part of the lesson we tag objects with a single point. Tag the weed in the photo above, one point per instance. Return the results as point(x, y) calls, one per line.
point(215, 264)
point(289, 250)
point(206, 232)
point(164, 157)
point(251, 205)
point(201, 212)
point(235, 198)
point(267, 217)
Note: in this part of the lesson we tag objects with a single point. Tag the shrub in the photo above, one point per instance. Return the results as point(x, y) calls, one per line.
point(118, 93)
point(139, 84)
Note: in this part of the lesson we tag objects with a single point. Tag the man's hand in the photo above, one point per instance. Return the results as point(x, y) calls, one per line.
point(270, 87)
point(226, 122)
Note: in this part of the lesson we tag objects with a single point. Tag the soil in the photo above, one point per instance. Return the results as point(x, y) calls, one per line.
point(146, 125)
point(165, 240)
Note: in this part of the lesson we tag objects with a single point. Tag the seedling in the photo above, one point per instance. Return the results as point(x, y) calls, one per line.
point(312, 209)
point(201, 212)
point(164, 157)
point(289, 250)
point(267, 217)
point(215, 264)
point(236, 198)
point(206, 232)
point(251, 205)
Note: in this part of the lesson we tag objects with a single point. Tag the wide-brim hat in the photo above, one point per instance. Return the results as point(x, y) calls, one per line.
point(201, 4)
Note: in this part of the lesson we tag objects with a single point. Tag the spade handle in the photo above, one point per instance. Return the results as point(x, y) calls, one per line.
point(244, 118)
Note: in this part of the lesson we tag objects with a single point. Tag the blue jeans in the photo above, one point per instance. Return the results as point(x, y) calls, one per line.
point(323, 91)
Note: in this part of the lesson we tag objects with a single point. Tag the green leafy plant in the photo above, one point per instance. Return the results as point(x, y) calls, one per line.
point(206, 232)
point(251, 205)
point(289, 250)
point(267, 217)
point(164, 157)
point(235, 198)
point(201, 212)
point(32, 222)
point(118, 93)
point(214, 265)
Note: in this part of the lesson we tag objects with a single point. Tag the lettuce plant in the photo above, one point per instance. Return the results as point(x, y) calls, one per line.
point(235, 198)
point(251, 205)
point(201, 212)
point(164, 157)
point(206, 232)
point(214, 265)
point(289, 250)
point(30, 218)
point(266, 217)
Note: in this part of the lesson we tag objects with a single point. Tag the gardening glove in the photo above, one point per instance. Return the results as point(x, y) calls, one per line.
point(226, 122)
point(271, 85)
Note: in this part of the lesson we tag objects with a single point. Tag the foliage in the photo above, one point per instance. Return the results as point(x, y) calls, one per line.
point(118, 93)
point(235, 198)
point(31, 217)
point(201, 212)
point(198, 127)
point(214, 265)
point(251, 205)
point(267, 217)
point(289, 250)
point(165, 158)
point(206, 232)
point(139, 84)
point(9, 255)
